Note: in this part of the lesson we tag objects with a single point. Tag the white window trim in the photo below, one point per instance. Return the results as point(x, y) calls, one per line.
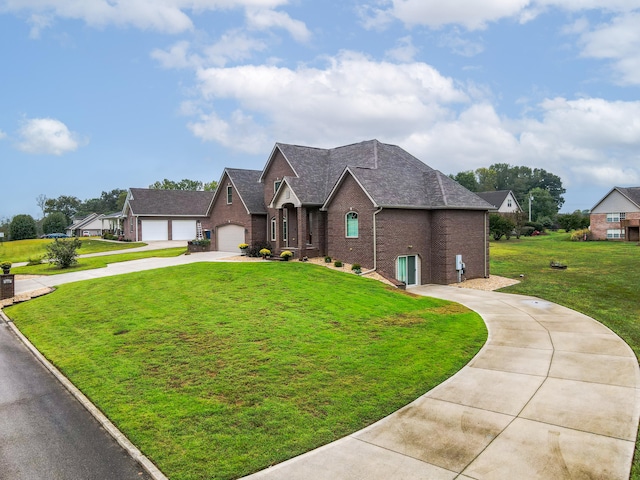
point(274, 229)
point(229, 194)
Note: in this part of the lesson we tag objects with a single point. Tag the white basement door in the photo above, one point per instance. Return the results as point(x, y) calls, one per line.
point(155, 230)
point(229, 237)
point(183, 229)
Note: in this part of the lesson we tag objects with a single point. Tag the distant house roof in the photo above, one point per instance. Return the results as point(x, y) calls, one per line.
point(497, 197)
point(171, 203)
point(81, 222)
point(391, 176)
point(631, 193)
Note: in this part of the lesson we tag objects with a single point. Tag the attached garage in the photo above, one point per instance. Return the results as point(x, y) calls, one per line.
point(153, 230)
point(183, 229)
point(229, 237)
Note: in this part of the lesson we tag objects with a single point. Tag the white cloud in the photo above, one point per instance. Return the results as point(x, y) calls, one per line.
point(618, 41)
point(353, 97)
point(266, 19)
point(475, 15)
point(405, 51)
point(435, 13)
point(2, 135)
point(47, 136)
point(168, 16)
point(177, 56)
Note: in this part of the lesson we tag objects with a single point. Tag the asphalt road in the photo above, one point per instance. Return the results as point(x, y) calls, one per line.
point(45, 433)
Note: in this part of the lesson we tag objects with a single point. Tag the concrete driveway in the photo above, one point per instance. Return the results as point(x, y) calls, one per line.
point(552, 395)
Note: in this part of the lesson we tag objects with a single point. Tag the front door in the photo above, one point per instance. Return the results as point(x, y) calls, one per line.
point(407, 269)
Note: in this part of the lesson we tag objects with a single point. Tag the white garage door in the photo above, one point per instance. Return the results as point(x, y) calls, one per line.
point(183, 229)
point(155, 230)
point(229, 237)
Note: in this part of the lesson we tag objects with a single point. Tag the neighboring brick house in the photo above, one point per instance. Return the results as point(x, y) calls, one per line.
point(504, 201)
point(617, 215)
point(369, 203)
point(151, 214)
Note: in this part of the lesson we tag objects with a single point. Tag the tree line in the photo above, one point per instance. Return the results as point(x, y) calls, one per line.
point(543, 188)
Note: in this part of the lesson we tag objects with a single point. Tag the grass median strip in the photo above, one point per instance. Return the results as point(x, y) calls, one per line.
point(23, 250)
point(89, 263)
point(218, 370)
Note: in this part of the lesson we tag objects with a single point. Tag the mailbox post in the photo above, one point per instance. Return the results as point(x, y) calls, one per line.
point(7, 286)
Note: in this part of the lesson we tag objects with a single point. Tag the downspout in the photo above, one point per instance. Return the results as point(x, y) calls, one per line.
point(486, 245)
point(137, 228)
point(375, 243)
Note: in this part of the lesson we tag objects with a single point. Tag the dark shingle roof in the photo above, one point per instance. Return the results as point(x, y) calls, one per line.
point(495, 198)
point(248, 187)
point(178, 203)
point(632, 193)
point(389, 174)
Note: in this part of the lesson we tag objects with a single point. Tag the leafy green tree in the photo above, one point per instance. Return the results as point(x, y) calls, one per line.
point(184, 184)
point(519, 220)
point(519, 179)
point(487, 180)
point(467, 179)
point(211, 186)
point(500, 226)
point(22, 227)
point(55, 222)
point(543, 205)
point(64, 203)
point(63, 253)
point(573, 221)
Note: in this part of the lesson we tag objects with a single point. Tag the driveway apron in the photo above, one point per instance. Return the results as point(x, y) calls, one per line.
point(553, 394)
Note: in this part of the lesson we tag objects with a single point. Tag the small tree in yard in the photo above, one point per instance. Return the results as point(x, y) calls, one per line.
point(500, 226)
point(63, 253)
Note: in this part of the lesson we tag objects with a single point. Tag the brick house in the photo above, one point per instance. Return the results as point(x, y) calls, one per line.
point(152, 214)
point(617, 215)
point(369, 203)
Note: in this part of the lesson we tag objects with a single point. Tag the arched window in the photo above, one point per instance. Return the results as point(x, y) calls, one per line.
point(352, 225)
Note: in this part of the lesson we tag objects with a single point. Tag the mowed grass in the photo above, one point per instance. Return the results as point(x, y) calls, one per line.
point(97, 262)
point(602, 280)
point(23, 250)
point(217, 370)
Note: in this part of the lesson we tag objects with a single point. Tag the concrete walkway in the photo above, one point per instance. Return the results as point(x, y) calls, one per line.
point(552, 395)
point(120, 268)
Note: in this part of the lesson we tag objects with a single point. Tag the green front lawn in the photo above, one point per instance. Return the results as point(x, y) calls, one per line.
point(23, 250)
point(602, 280)
point(217, 370)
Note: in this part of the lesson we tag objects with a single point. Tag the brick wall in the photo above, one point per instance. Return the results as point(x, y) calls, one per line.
point(350, 198)
point(404, 232)
point(234, 213)
point(599, 224)
point(459, 232)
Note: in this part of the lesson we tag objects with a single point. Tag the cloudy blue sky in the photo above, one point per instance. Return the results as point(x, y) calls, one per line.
point(104, 94)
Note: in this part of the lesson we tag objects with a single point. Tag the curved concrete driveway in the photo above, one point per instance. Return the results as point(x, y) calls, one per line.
point(552, 395)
